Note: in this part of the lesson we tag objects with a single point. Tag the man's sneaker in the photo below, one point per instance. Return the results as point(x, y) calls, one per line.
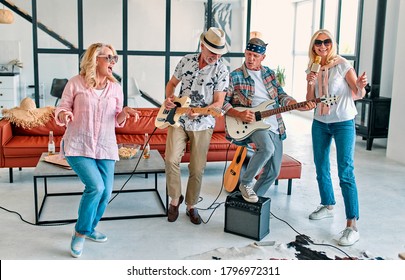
point(321, 212)
point(76, 246)
point(349, 237)
point(248, 193)
point(97, 236)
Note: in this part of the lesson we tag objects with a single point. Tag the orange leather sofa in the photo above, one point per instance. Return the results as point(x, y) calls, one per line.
point(23, 147)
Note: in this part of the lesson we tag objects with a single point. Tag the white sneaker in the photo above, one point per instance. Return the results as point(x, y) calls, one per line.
point(321, 212)
point(349, 237)
point(248, 193)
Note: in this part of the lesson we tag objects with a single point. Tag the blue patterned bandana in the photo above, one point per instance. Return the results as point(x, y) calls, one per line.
point(256, 48)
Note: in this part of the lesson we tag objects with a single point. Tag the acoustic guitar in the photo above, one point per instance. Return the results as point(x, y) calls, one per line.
point(171, 117)
point(237, 166)
point(240, 130)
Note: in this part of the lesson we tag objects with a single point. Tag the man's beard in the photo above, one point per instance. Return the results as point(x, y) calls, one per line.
point(210, 61)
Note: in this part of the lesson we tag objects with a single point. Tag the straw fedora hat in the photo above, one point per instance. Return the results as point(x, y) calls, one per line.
point(214, 40)
point(27, 115)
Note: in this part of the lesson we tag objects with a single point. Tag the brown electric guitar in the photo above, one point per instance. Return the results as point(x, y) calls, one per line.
point(237, 166)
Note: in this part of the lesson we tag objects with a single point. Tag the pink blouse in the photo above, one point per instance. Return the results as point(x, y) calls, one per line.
point(92, 131)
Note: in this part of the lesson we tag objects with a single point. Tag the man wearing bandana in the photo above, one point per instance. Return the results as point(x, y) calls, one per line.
point(249, 86)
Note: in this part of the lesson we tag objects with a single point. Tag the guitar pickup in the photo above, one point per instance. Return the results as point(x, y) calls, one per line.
point(258, 116)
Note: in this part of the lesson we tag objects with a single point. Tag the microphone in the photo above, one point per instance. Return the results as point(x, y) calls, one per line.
point(316, 66)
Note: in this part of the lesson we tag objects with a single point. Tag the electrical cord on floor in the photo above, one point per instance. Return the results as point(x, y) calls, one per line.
point(308, 239)
point(133, 171)
point(68, 223)
point(214, 205)
point(32, 224)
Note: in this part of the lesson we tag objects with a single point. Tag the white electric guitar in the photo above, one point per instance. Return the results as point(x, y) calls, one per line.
point(171, 117)
point(240, 130)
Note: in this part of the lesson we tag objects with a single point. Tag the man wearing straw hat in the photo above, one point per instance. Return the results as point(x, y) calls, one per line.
point(204, 79)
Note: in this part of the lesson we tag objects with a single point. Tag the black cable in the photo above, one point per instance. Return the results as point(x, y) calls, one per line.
point(219, 204)
point(133, 171)
point(214, 205)
point(25, 221)
point(309, 240)
point(67, 223)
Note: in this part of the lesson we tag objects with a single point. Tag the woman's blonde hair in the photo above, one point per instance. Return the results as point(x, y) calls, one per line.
point(311, 52)
point(88, 63)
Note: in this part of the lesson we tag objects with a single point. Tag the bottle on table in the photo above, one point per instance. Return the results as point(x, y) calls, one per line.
point(51, 144)
point(146, 147)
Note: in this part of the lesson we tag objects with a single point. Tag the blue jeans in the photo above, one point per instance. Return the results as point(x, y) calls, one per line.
point(97, 176)
point(268, 156)
point(345, 137)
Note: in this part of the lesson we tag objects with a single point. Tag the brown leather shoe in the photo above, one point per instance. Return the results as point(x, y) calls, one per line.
point(173, 211)
point(194, 216)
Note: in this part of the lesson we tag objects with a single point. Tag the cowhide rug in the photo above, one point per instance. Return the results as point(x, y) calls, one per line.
point(302, 248)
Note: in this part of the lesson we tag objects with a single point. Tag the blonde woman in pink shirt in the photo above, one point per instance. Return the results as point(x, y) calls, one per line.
point(91, 108)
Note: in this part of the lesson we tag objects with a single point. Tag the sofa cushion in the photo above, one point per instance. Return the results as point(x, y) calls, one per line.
point(18, 147)
point(219, 124)
point(145, 124)
point(291, 168)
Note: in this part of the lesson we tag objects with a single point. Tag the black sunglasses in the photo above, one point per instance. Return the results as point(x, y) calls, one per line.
point(326, 42)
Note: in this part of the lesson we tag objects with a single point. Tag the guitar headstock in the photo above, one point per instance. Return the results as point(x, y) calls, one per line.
point(331, 100)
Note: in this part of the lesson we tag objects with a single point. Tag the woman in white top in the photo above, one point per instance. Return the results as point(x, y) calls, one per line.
point(335, 78)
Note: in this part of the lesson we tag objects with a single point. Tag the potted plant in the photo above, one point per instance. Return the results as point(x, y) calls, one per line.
point(280, 75)
point(15, 63)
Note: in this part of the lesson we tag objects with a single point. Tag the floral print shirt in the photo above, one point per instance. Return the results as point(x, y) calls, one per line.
point(200, 85)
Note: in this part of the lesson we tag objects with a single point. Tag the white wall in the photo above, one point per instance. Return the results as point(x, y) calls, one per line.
point(20, 31)
point(367, 38)
point(396, 133)
point(391, 75)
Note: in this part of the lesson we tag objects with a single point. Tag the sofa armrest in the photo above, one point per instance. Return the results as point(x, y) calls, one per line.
point(6, 133)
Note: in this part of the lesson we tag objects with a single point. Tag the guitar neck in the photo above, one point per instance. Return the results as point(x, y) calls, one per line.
point(183, 110)
point(271, 112)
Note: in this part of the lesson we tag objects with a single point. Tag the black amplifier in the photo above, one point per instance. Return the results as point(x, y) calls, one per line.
point(247, 219)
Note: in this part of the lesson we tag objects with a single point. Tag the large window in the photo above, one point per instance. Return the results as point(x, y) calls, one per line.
point(348, 28)
point(151, 36)
point(340, 17)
